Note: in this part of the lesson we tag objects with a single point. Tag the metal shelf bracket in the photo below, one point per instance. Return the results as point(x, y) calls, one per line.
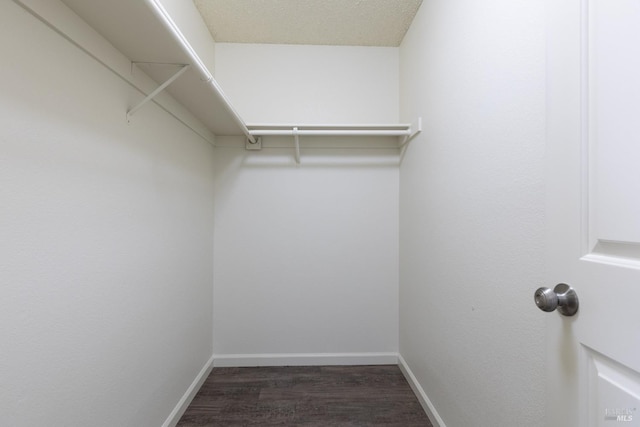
point(131, 112)
point(418, 129)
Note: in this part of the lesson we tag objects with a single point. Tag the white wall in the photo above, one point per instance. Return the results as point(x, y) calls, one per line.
point(310, 84)
point(106, 248)
point(471, 210)
point(306, 259)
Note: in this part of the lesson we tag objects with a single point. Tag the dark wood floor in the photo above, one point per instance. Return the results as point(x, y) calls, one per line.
point(319, 396)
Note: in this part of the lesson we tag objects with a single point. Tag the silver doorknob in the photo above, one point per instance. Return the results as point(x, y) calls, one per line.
point(562, 297)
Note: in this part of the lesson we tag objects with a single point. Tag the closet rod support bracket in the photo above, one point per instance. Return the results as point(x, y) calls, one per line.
point(253, 145)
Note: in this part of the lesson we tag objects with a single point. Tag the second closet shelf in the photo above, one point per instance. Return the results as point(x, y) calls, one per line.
point(405, 132)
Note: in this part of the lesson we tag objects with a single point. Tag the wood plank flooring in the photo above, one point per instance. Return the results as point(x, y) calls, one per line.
point(313, 396)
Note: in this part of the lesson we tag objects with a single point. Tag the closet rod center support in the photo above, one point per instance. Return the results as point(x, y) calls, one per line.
point(297, 141)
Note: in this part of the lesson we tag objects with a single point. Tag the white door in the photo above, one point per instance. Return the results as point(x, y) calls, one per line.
point(593, 211)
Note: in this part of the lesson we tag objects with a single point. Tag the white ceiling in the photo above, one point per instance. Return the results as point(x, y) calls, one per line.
point(318, 22)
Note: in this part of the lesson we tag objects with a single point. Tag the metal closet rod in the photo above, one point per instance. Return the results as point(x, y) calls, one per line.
point(164, 17)
point(330, 132)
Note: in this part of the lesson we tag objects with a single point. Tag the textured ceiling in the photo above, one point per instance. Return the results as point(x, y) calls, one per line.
point(319, 22)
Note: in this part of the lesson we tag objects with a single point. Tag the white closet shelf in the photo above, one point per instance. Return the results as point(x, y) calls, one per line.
point(404, 132)
point(145, 35)
point(122, 33)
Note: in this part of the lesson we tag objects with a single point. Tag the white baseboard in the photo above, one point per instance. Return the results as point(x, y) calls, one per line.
point(419, 392)
point(304, 359)
point(188, 396)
